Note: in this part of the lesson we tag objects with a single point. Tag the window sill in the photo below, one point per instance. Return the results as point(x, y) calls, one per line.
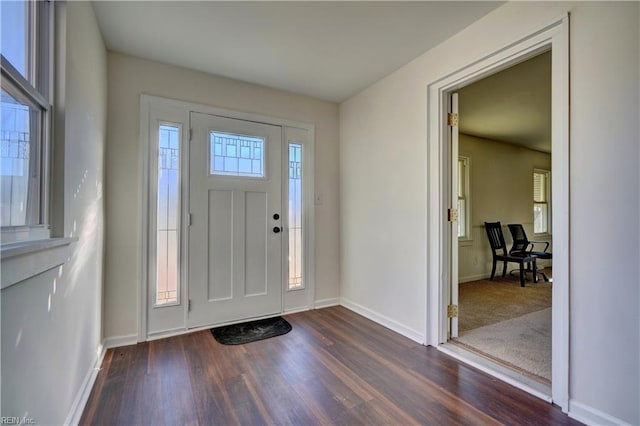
point(25, 259)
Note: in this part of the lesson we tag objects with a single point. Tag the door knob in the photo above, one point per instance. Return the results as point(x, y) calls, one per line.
point(277, 229)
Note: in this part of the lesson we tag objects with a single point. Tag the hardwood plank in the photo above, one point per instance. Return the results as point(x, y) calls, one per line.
point(334, 367)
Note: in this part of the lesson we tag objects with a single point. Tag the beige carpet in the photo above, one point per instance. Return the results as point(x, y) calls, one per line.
point(523, 342)
point(487, 302)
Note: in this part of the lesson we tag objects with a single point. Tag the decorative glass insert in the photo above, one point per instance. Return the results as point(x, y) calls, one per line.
point(295, 217)
point(236, 155)
point(17, 124)
point(168, 215)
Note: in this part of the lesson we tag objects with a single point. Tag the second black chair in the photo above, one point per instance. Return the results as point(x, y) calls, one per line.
point(499, 253)
point(522, 244)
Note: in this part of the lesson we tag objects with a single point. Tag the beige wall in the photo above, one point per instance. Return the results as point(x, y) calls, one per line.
point(383, 187)
point(130, 77)
point(501, 186)
point(51, 323)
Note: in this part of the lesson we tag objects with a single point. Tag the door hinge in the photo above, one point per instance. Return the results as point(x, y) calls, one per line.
point(190, 219)
point(452, 119)
point(190, 134)
point(189, 305)
point(452, 311)
point(452, 215)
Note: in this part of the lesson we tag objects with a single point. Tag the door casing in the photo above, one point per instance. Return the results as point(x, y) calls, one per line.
point(554, 37)
point(153, 109)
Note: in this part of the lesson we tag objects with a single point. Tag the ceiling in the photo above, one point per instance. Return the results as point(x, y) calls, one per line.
point(512, 106)
point(328, 50)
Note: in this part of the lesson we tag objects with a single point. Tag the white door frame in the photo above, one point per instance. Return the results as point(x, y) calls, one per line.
point(155, 108)
point(555, 36)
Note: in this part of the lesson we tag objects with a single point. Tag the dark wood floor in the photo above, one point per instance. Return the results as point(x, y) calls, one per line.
point(334, 367)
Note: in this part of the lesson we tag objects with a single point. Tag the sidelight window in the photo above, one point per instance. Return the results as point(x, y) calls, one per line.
point(168, 215)
point(295, 217)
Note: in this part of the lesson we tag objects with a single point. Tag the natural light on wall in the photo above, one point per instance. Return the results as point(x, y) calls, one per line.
point(295, 216)
point(168, 215)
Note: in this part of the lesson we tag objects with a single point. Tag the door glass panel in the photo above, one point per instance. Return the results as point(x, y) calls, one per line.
point(236, 155)
point(295, 216)
point(168, 213)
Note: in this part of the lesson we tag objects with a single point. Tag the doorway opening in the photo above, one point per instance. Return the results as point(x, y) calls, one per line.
point(445, 195)
point(503, 176)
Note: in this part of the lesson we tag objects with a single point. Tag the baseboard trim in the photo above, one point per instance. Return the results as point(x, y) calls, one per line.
point(325, 303)
point(295, 310)
point(117, 341)
point(80, 401)
point(475, 277)
point(384, 321)
point(591, 416)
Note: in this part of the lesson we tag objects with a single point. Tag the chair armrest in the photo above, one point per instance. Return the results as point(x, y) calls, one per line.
point(546, 243)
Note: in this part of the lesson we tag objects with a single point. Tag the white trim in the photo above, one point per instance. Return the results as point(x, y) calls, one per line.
point(475, 277)
point(223, 112)
point(119, 341)
point(143, 207)
point(23, 260)
point(383, 320)
point(325, 303)
point(295, 310)
point(503, 373)
point(554, 36)
point(80, 401)
point(590, 416)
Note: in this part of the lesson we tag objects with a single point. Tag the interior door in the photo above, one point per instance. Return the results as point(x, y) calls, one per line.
point(453, 137)
point(235, 238)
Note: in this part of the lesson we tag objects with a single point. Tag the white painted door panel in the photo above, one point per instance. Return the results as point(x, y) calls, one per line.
point(454, 224)
point(235, 253)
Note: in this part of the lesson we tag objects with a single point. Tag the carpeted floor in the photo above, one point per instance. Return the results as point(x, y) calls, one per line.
point(508, 323)
point(487, 302)
point(523, 342)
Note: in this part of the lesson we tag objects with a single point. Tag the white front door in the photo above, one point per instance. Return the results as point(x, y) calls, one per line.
point(235, 238)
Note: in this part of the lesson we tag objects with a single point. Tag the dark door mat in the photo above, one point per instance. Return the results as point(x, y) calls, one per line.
point(252, 331)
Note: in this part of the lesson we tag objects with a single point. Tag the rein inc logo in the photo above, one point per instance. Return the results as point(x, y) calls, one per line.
point(11, 420)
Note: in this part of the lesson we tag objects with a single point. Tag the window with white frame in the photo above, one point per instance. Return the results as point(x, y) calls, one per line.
point(25, 116)
point(463, 197)
point(541, 187)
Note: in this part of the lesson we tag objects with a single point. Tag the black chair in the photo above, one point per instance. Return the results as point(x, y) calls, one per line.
point(522, 244)
point(497, 243)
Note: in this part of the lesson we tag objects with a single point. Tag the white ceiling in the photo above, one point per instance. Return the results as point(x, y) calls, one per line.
point(329, 50)
point(512, 106)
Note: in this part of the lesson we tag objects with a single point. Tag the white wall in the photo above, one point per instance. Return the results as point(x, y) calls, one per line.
point(51, 323)
point(383, 185)
point(129, 77)
point(501, 189)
